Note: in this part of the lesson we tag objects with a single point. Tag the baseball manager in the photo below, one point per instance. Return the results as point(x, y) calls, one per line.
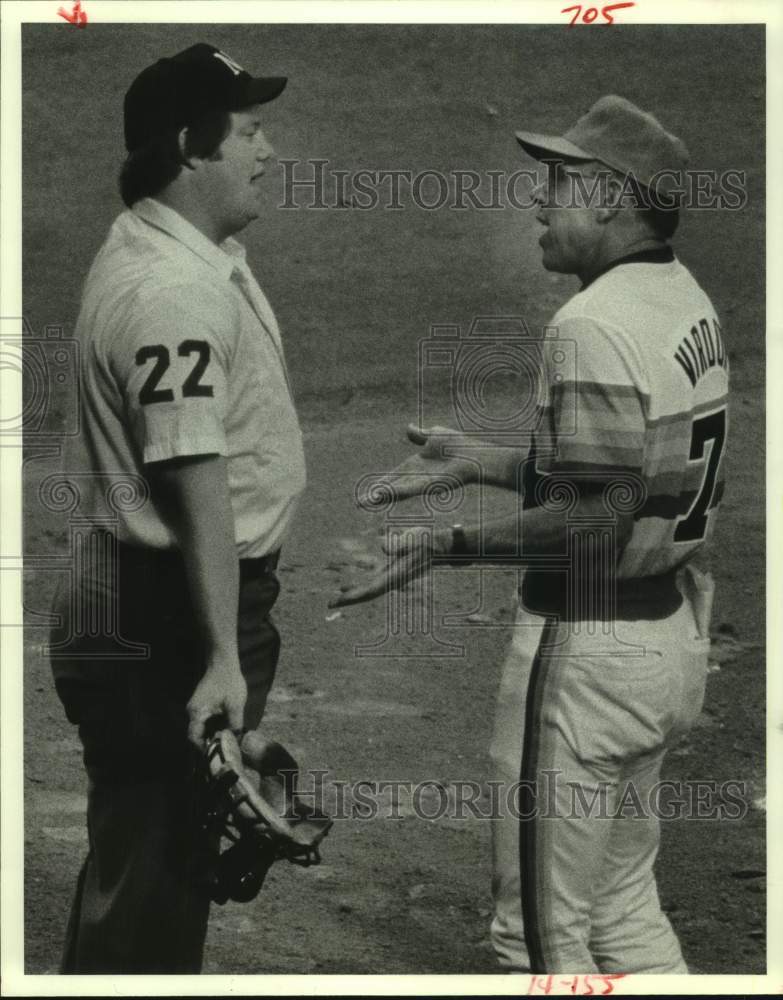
point(608, 662)
point(184, 385)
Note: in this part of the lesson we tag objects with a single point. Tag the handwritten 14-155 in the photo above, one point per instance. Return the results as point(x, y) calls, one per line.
point(584, 985)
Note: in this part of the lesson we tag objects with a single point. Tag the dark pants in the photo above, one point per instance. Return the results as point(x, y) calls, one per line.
point(138, 908)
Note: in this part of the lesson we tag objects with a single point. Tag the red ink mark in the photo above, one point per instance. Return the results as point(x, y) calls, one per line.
point(77, 15)
point(591, 13)
point(540, 984)
point(587, 985)
point(614, 6)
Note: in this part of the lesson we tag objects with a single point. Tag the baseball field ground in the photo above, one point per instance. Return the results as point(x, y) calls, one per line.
point(355, 292)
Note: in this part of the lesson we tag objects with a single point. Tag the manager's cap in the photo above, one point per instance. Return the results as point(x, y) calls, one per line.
point(174, 91)
point(620, 135)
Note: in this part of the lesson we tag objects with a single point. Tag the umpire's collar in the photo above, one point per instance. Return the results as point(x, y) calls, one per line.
point(222, 258)
point(655, 255)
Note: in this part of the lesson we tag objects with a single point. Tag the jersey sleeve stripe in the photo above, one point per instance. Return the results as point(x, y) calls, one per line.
point(676, 481)
point(589, 435)
point(603, 470)
point(607, 393)
point(599, 454)
point(597, 424)
point(687, 416)
point(668, 507)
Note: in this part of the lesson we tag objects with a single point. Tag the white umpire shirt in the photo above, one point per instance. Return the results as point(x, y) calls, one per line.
point(181, 356)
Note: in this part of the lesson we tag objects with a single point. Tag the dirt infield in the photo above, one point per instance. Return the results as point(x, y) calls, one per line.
point(355, 293)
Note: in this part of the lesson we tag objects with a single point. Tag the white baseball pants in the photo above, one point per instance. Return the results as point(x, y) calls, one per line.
point(585, 726)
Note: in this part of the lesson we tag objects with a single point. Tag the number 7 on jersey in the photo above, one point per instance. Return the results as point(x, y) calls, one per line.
point(708, 434)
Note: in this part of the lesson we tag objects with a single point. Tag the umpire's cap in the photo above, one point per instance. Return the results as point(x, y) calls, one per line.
point(617, 133)
point(174, 91)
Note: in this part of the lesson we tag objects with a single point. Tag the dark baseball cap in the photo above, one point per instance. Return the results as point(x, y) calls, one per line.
point(617, 133)
point(174, 91)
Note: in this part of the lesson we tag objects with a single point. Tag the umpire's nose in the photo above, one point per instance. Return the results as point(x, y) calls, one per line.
point(265, 148)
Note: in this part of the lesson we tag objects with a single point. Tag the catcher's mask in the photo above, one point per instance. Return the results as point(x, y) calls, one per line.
point(251, 801)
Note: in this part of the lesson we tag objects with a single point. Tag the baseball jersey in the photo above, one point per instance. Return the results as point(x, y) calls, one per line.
point(647, 396)
point(181, 356)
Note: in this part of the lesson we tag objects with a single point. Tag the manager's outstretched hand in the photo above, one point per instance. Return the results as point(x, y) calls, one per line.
point(422, 470)
point(410, 556)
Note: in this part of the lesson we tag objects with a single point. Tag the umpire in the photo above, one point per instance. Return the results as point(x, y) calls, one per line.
point(184, 389)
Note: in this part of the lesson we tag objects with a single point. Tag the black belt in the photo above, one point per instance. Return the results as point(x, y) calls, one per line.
point(634, 598)
point(135, 559)
point(251, 569)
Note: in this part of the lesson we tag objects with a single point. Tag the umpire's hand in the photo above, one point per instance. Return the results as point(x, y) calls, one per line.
point(222, 691)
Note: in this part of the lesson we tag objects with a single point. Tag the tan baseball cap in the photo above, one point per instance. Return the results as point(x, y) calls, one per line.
point(615, 132)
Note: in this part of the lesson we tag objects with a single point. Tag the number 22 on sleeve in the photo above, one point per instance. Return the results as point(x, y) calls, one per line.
point(192, 386)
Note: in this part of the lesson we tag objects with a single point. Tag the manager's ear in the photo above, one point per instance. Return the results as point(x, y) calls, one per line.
point(611, 199)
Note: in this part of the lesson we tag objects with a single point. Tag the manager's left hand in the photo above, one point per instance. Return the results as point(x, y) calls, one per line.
point(410, 555)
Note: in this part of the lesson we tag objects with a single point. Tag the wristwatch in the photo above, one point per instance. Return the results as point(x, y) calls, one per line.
point(459, 543)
